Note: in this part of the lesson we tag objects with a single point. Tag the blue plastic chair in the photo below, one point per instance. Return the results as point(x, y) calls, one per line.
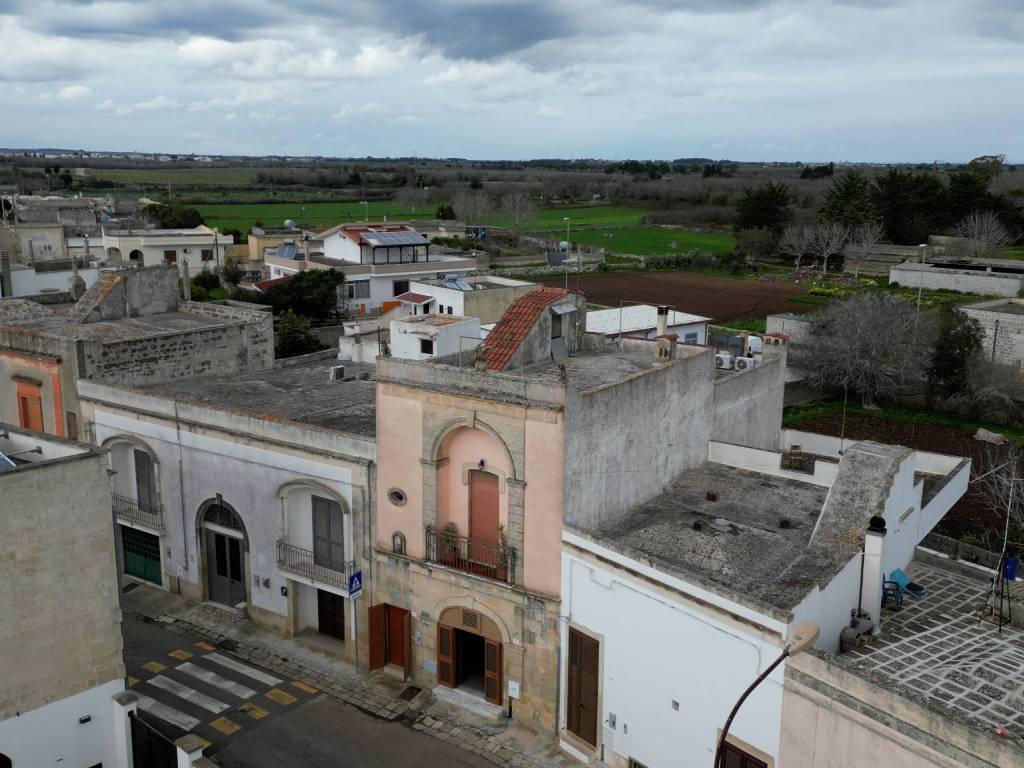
point(906, 586)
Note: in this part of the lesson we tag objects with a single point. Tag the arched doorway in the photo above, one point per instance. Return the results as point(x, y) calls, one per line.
point(5, 761)
point(223, 541)
point(469, 653)
point(135, 258)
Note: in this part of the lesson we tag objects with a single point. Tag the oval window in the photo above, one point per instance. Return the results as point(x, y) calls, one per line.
point(396, 496)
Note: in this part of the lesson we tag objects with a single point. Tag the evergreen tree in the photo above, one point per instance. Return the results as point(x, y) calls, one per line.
point(849, 202)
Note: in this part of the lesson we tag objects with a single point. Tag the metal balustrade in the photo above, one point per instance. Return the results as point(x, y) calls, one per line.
point(134, 511)
point(481, 558)
point(303, 562)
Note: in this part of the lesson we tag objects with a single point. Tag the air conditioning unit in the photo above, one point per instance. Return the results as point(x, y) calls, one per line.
point(337, 372)
point(743, 363)
point(723, 360)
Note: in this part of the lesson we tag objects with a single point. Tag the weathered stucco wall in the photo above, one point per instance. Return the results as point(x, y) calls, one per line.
point(626, 441)
point(748, 404)
point(1004, 331)
point(966, 281)
point(61, 628)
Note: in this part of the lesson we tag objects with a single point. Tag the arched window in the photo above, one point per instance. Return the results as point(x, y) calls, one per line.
point(5, 761)
point(398, 543)
point(219, 514)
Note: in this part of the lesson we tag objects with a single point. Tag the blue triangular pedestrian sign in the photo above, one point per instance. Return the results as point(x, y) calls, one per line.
point(355, 584)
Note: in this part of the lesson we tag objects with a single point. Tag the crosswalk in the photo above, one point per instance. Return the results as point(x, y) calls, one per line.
point(203, 691)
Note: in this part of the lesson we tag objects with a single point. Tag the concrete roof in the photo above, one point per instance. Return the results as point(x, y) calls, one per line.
point(301, 393)
point(637, 317)
point(53, 321)
point(734, 545)
point(434, 320)
point(1002, 306)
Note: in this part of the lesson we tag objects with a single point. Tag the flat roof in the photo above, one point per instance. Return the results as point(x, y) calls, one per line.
point(936, 652)
point(56, 324)
point(436, 320)
point(302, 393)
point(637, 317)
point(1002, 306)
point(721, 525)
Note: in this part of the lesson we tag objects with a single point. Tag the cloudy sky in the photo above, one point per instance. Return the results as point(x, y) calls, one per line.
point(900, 80)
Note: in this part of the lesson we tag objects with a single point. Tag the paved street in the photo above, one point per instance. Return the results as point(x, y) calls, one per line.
point(254, 718)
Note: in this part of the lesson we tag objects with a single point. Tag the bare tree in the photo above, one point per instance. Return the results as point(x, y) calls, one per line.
point(984, 232)
point(412, 196)
point(796, 242)
point(863, 238)
point(874, 344)
point(827, 240)
point(519, 208)
point(999, 485)
point(472, 207)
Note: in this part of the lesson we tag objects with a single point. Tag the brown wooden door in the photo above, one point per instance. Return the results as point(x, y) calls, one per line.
point(396, 635)
point(483, 506)
point(30, 406)
point(734, 757)
point(582, 705)
point(378, 630)
point(492, 671)
point(445, 655)
point(331, 614)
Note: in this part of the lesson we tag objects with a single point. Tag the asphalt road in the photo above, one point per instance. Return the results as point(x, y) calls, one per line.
point(253, 720)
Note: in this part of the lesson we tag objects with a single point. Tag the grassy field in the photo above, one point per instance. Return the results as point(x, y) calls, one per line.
point(243, 216)
point(644, 241)
point(175, 176)
point(553, 219)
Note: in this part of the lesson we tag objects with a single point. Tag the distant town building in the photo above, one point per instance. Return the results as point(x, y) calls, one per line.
point(202, 247)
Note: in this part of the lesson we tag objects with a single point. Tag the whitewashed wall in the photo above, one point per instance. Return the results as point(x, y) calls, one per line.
point(656, 649)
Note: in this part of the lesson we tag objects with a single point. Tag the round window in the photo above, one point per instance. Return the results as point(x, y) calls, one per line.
point(396, 496)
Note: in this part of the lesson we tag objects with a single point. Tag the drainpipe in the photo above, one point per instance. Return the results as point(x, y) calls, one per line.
point(995, 335)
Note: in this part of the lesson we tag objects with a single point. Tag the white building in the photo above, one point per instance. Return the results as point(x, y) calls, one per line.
point(261, 502)
point(641, 320)
point(418, 337)
point(203, 248)
point(379, 261)
point(482, 296)
point(61, 662)
point(670, 612)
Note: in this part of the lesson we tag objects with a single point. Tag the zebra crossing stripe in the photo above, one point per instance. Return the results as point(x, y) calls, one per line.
point(190, 695)
point(218, 681)
point(167, 714)
point(242, 669)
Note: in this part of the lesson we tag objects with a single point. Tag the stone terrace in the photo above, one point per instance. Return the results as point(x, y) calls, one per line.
point(935, 652)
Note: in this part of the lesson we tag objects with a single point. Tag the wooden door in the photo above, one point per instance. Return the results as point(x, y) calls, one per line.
point(328, 534)
point(145, 487)
point(141, 554)
point(446, 655)
point(483, 507)
point(378, 630)
point(30, 406)
point(582, 705)
point(492, 671)
point(225, 579)
point(396, 635)
point(734, 757)
point(330, 609)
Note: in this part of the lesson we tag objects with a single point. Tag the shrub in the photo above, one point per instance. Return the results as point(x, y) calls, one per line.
point(293, 336)
point(198, 293)
point(206, 280)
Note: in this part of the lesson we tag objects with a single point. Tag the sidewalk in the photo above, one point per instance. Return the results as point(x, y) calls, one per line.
point(499, 741)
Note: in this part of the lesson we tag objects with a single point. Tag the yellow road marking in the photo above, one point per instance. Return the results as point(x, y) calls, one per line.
point(205, 646)
point(205, 742)
point(253, 711)
point(225, 726)
point(155, 666)
point(304, 687)
point(276, 694)
point(132, 681)
point(181, 655)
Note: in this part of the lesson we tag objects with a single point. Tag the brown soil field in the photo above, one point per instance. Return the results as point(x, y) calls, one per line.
point(720, 298)
point(970, 514)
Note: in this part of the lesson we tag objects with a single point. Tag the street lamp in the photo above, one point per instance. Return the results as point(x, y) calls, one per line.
point(923, 251)
point(568, 247)
point(803, 637)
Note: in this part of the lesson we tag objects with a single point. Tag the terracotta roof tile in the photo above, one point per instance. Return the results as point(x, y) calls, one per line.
point(515, 325)
point(414, 298)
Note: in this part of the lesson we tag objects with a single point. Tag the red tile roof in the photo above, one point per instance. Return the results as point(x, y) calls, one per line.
point(264, 285)
point(515, 325)
point(414, 298)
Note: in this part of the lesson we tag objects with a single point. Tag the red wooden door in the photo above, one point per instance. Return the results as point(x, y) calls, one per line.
point(30, 406)
point(378, 629)
point(483, 507)
point(396, 635)
point(445, 655)
point(492, 671)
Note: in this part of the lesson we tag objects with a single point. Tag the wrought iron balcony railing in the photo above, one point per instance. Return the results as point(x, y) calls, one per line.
point(302, 562)
point(480, 558)
point(134, 511)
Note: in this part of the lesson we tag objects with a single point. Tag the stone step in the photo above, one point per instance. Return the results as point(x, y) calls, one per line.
point(469, 700)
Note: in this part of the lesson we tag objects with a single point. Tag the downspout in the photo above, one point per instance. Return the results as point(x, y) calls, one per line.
point(995, 336)
point(181, 497)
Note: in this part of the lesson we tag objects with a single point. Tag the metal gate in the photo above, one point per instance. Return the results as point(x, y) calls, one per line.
point(150, 748)
point(141, 554)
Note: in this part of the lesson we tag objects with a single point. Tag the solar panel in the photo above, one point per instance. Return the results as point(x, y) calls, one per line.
point(287, 251)
point(395, 238)
point(6, 463)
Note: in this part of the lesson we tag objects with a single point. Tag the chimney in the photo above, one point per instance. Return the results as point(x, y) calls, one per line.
point(662, 320)
point(667, 346)
point(186, 283)
point(871, 573)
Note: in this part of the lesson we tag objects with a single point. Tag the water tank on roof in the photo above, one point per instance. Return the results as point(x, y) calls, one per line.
point(289, 223)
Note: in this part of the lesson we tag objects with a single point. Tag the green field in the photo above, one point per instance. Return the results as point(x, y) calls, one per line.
point(184, 177)
point(242, 216)
point(646, 241)
point(553, 219)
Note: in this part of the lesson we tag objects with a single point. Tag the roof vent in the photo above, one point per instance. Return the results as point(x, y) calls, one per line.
point(711, 496)
point(337, 372)
point(876, 524)
point(785, 524)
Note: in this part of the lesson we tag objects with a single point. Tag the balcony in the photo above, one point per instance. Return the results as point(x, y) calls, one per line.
point(492, 561)
point(302, 562)
point(138, 512)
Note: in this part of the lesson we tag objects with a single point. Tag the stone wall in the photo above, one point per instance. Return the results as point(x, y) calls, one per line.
point(61, 628)
point(912, 275)
point(1004, 331)
point(748, 404)
point(129, 293)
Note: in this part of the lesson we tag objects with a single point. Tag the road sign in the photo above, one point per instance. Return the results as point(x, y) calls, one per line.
point(355, 585)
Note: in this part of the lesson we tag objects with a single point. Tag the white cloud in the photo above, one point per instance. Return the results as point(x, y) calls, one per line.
point(74, 92)
point(349, 111)
point(156, 103)
point(547, 112)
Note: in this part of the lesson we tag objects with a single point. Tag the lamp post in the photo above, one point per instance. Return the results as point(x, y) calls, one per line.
point(568, 247)
point(923, 252)
point(803, 637)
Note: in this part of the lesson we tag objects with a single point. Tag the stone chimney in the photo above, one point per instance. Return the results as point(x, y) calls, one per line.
point(667, 346)
point(662, 320)
point(186, 284)
point(76, 285)
point(872, 575)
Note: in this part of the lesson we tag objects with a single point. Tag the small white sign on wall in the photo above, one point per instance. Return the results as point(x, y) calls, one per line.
point(513, 689)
